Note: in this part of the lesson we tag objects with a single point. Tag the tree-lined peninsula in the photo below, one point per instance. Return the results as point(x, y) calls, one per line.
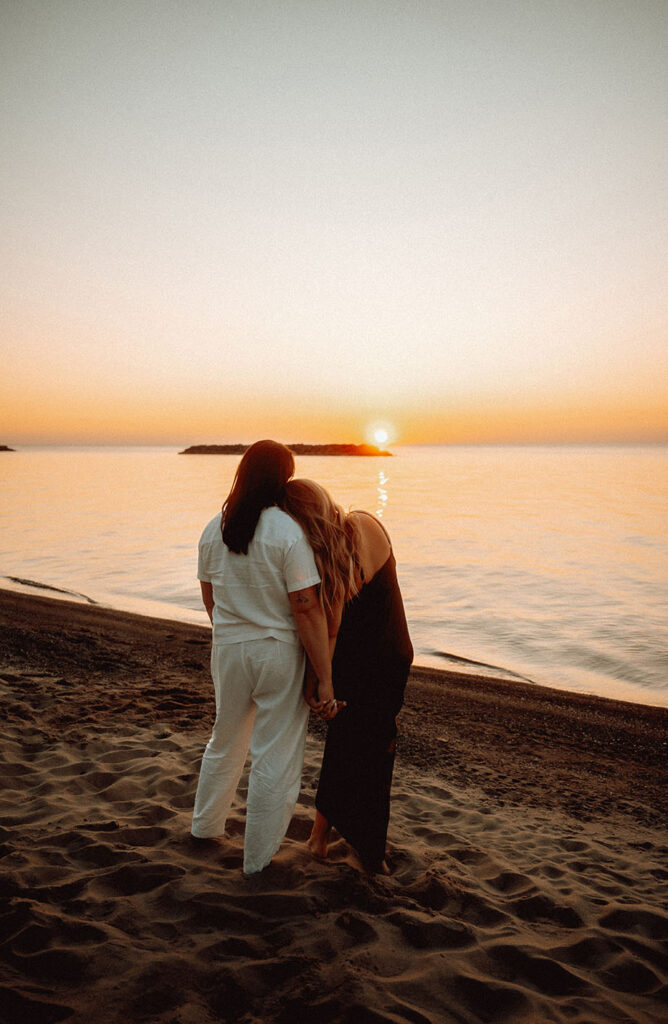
point(298, 449)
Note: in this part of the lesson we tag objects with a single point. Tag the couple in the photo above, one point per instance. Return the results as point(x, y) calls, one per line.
point(306, 611)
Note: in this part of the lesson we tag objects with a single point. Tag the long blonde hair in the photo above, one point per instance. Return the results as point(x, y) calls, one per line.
point(331, 535)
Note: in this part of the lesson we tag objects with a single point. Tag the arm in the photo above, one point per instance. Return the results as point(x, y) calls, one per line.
point(311, 679)
point(207, 598)
point(312, 628)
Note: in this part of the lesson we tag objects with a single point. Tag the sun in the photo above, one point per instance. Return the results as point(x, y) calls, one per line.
point(381, 432)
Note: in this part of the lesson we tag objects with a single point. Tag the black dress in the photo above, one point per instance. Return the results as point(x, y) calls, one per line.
point(370, 667)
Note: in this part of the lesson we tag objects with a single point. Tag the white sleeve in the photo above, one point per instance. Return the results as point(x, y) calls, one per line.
point(299, 568)
point(208, 550)
point(202, 573)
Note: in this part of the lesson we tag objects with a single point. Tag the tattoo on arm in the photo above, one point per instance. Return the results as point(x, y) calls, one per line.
point(302, 599)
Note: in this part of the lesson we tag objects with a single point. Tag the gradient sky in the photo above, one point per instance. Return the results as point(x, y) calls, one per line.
point(225, 220)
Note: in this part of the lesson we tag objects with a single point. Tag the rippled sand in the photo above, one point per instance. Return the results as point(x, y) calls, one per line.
point(510, 900)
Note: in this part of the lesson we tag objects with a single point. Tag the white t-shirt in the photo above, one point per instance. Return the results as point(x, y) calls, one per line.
point(250, 591)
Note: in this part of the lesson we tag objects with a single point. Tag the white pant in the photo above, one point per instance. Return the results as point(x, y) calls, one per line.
point(259, 702)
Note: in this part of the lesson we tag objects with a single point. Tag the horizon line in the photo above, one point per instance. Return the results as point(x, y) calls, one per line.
point(615, 443)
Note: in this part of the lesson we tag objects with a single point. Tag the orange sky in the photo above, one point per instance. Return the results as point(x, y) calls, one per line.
point(170, 416)
point(303, 221)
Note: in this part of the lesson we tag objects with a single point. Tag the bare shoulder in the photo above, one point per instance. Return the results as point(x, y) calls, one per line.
point(373, 542)
point(368, 524)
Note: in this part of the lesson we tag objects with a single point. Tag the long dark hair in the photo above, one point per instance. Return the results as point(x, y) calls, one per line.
point(261, 476)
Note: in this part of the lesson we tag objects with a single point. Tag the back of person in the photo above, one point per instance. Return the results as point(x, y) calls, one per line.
point(258, 579)
point(373, 546)
point(373, 650)
point(372, 653)
point(251, 601)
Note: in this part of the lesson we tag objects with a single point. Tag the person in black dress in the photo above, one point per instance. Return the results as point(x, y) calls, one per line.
point(372, 655)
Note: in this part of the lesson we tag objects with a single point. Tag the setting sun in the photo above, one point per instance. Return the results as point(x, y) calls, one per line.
point(381, 432)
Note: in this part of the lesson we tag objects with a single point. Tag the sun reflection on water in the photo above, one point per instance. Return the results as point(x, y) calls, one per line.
point(383, 479)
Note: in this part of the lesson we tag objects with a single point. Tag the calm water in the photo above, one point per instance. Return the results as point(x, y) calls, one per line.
point(547, 562)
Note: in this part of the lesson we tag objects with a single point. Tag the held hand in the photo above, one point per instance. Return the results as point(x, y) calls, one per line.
point(326, 706)
point(322, 700)
point(325, 692)
point(323, 703)
point(330, 709)
point(314, 704)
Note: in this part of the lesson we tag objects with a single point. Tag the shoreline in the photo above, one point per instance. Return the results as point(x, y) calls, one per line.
point(473, 729)
point(527, 843)
point(457, 665)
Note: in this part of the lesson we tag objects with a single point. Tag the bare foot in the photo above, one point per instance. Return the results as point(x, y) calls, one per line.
point(318, 846)
point(383, 869)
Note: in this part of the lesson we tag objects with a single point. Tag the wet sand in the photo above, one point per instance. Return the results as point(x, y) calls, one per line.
point(527, 842)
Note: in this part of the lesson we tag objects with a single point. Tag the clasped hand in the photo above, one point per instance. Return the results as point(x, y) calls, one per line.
point(328, 708)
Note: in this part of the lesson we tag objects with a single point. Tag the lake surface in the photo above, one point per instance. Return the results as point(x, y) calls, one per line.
point(550, 563)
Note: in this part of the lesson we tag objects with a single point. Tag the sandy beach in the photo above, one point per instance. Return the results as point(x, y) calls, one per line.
point(528, 845)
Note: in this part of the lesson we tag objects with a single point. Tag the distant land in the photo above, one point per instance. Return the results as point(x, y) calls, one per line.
point(298, 449)
point(4, 448)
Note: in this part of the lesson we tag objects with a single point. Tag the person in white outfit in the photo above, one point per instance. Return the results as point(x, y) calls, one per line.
point(260, 588)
